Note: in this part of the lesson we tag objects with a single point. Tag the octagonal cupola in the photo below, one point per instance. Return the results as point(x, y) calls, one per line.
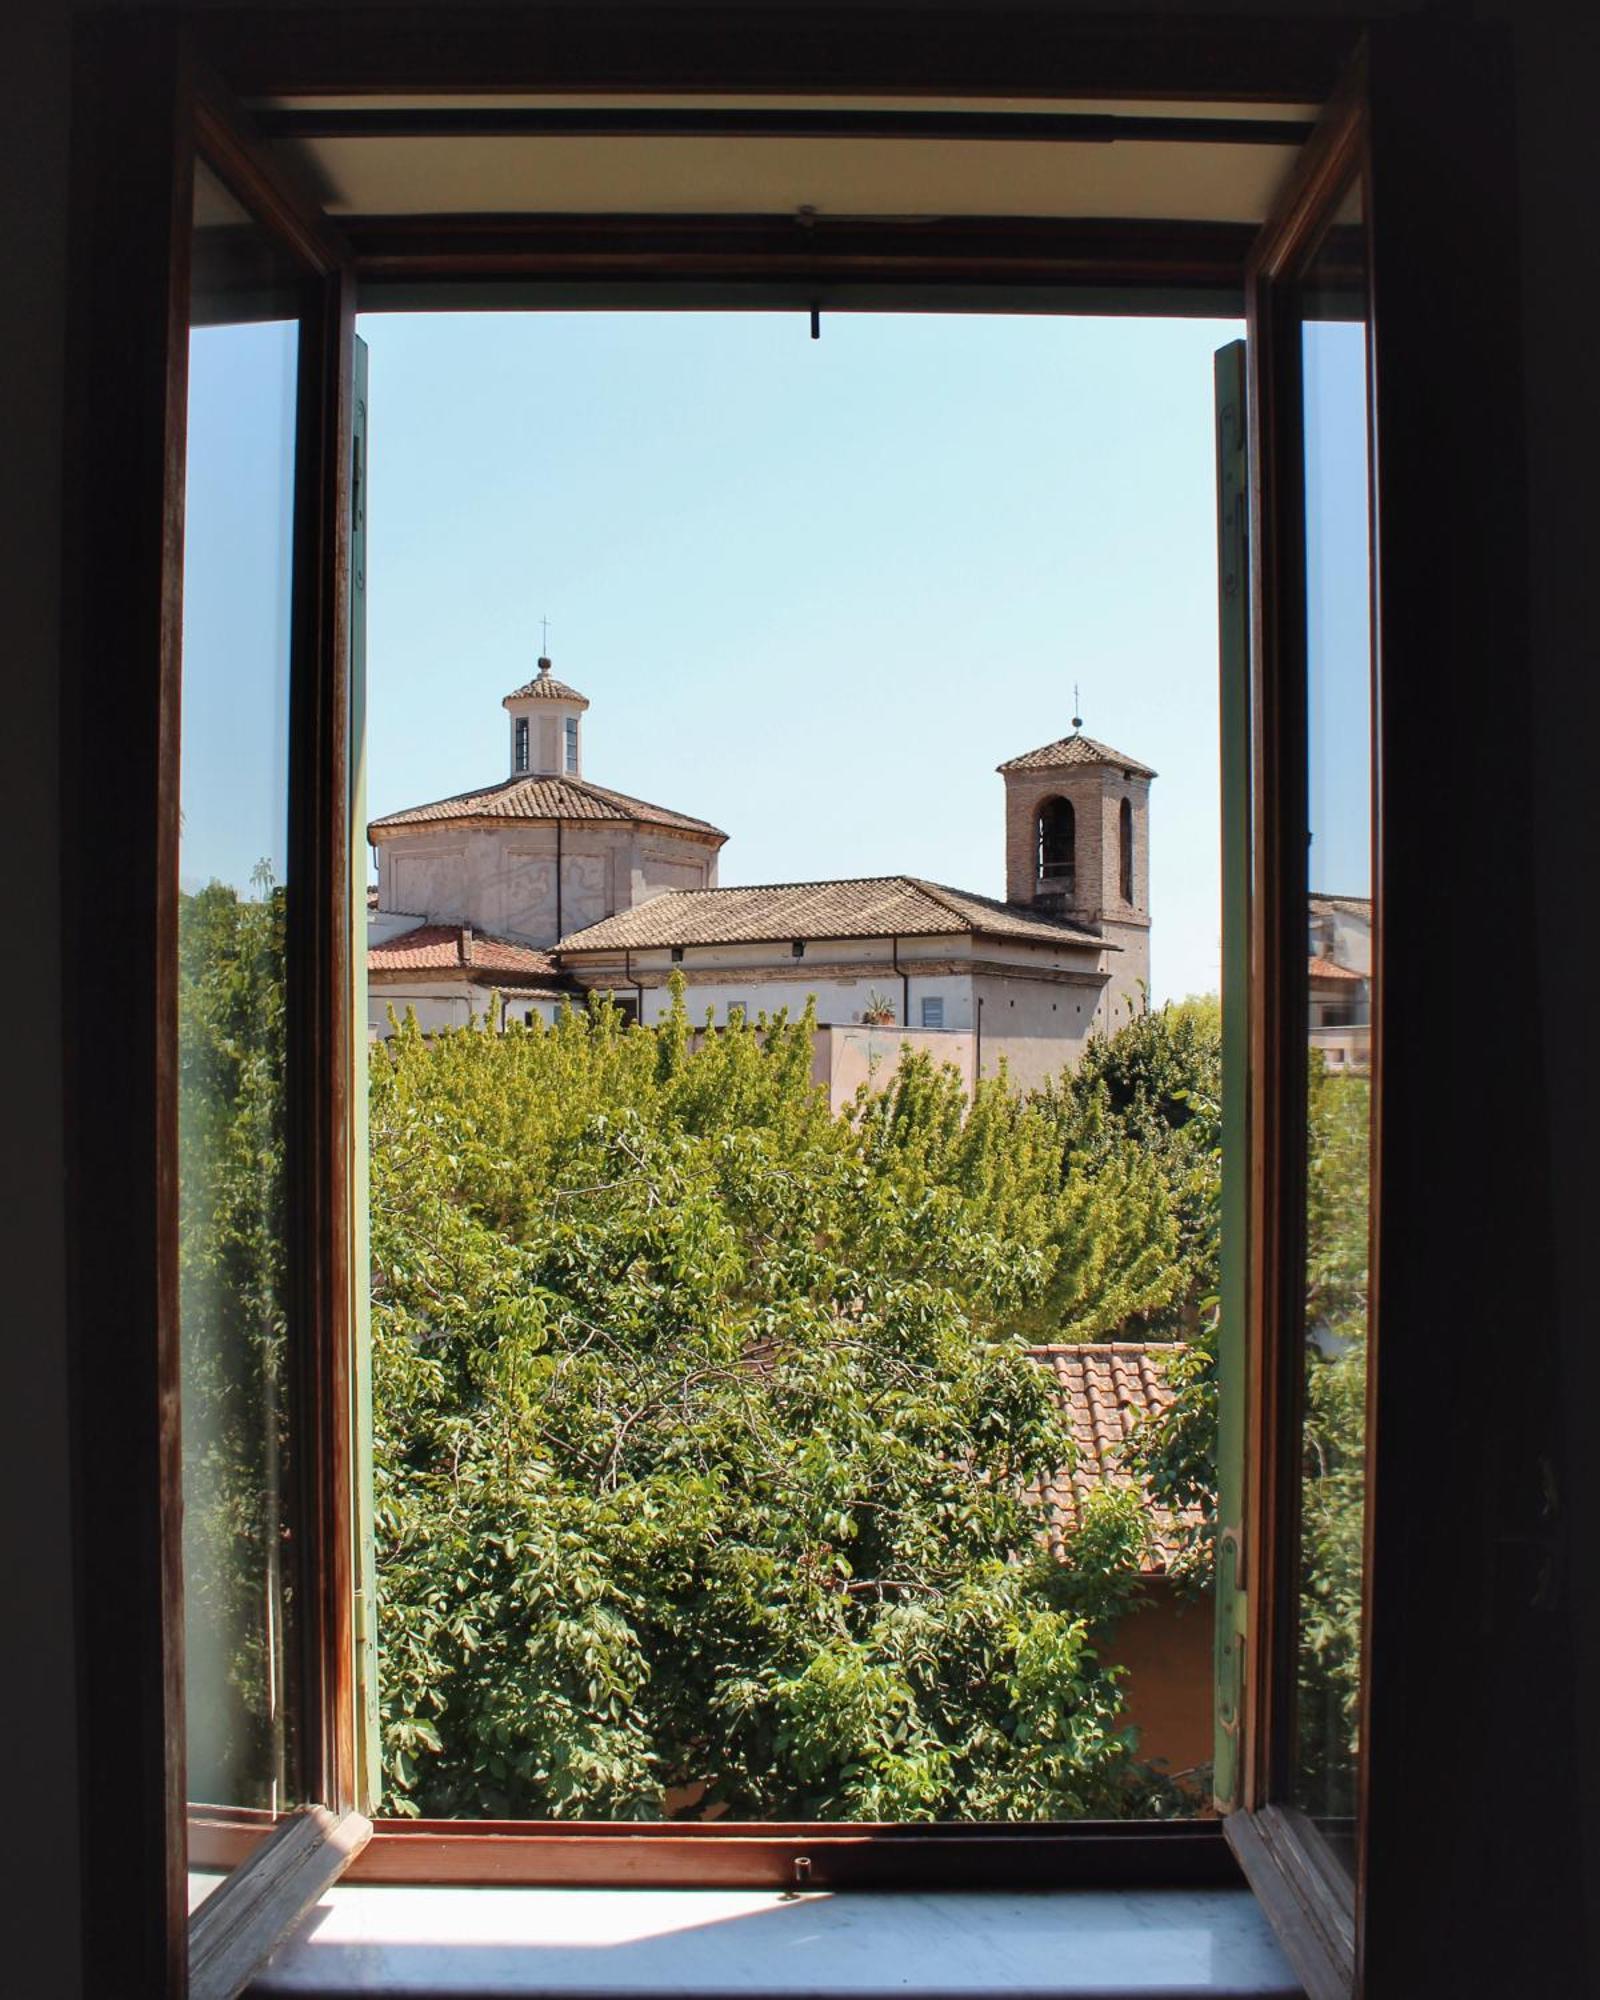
point(546, 727)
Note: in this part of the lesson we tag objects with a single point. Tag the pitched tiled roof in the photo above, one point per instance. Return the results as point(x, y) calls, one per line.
point(1106, 1390)
point(434, 949)
point(871, 906)
point(545, 799)
point(1324, 968)
point(543, 688)
point(1350, 906)
point(1074, 749)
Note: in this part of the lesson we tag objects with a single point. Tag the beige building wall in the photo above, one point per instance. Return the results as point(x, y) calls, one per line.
point(441, 1004)
point(846, 1059)
point(1038, 1027)
point(503, 880)
point(1343, 935)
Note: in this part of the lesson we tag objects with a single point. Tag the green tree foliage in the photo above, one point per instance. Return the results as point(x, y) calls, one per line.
point(1177, 1451)
point(704, 1429)
point(232, 1319)
point(1338, 1211)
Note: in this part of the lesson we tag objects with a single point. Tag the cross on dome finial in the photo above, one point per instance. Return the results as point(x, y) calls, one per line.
point(1077, 720)
point(544, 645)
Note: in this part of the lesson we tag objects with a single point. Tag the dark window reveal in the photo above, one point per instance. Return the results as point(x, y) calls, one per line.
point(1058, 845)
point(1125, 831)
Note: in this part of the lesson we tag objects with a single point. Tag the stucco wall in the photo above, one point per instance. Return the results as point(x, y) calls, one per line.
point(1166, 1645)
point(1038, 1027)
point(845, 1059)
point(504, 881)
point(1344, 937)
point(838, 999)
point(1128, 989)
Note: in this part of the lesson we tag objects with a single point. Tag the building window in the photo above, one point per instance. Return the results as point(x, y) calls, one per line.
point(677, 954)
point(1125, 845)
point(519, 759)
point(572, 743)
point(798, 948)
point(933, 1013)
point(1058, 842)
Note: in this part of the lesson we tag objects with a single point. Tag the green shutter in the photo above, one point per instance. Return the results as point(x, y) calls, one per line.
point(369, 1766)
point(1233, 625)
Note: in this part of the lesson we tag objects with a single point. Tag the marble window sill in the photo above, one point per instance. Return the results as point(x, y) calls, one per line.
point(615, 1944)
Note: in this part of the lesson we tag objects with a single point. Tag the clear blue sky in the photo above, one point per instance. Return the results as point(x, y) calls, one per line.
point(1338, 608)
point(237, 577)
point(815, 590)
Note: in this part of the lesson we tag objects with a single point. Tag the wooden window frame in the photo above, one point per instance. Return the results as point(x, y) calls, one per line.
point(143, 107)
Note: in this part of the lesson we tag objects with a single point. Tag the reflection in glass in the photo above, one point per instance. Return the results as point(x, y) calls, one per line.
point(1339, 926)
point(233, 865)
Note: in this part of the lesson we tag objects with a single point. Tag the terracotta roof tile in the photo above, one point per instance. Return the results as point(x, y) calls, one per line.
point(545, 799)
point(871, 906)
point(1074, 749)
point(432, 949)
point(1324, 968)
point(1106, 1390)
point(543, 688)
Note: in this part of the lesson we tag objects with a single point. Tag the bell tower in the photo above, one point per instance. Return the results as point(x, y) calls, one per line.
point(1078, 846)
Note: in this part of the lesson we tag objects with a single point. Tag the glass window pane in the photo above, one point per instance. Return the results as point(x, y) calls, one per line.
point(1339, 929)
point(233, 882)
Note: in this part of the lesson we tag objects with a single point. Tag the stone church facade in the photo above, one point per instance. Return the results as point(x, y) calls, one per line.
point(545, 887)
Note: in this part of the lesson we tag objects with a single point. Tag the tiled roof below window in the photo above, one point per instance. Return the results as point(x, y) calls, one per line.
point(871, 907)
point(1074, 749)
point(1106, 1390)
point(545, 799)
point(1324, 968)
point(434, 951)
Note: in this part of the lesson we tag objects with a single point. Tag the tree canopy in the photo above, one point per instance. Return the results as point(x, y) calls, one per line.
point(705, 1424)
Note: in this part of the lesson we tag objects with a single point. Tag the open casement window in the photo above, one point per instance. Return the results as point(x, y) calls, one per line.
point(1294, 429)
point(220, 385)
point(1355, 469)
point(223, 1353)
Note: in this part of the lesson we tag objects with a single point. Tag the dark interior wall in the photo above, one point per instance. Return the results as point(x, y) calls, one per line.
point(1542, 942)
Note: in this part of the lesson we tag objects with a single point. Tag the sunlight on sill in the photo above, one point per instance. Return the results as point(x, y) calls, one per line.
point(1158, 1944)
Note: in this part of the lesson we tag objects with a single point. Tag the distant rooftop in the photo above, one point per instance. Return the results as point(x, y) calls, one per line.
point(546, 798)
point(1107, 1390)
point(1074, 749)
point(868, 906)
point(543, 688)
point(433, 950)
